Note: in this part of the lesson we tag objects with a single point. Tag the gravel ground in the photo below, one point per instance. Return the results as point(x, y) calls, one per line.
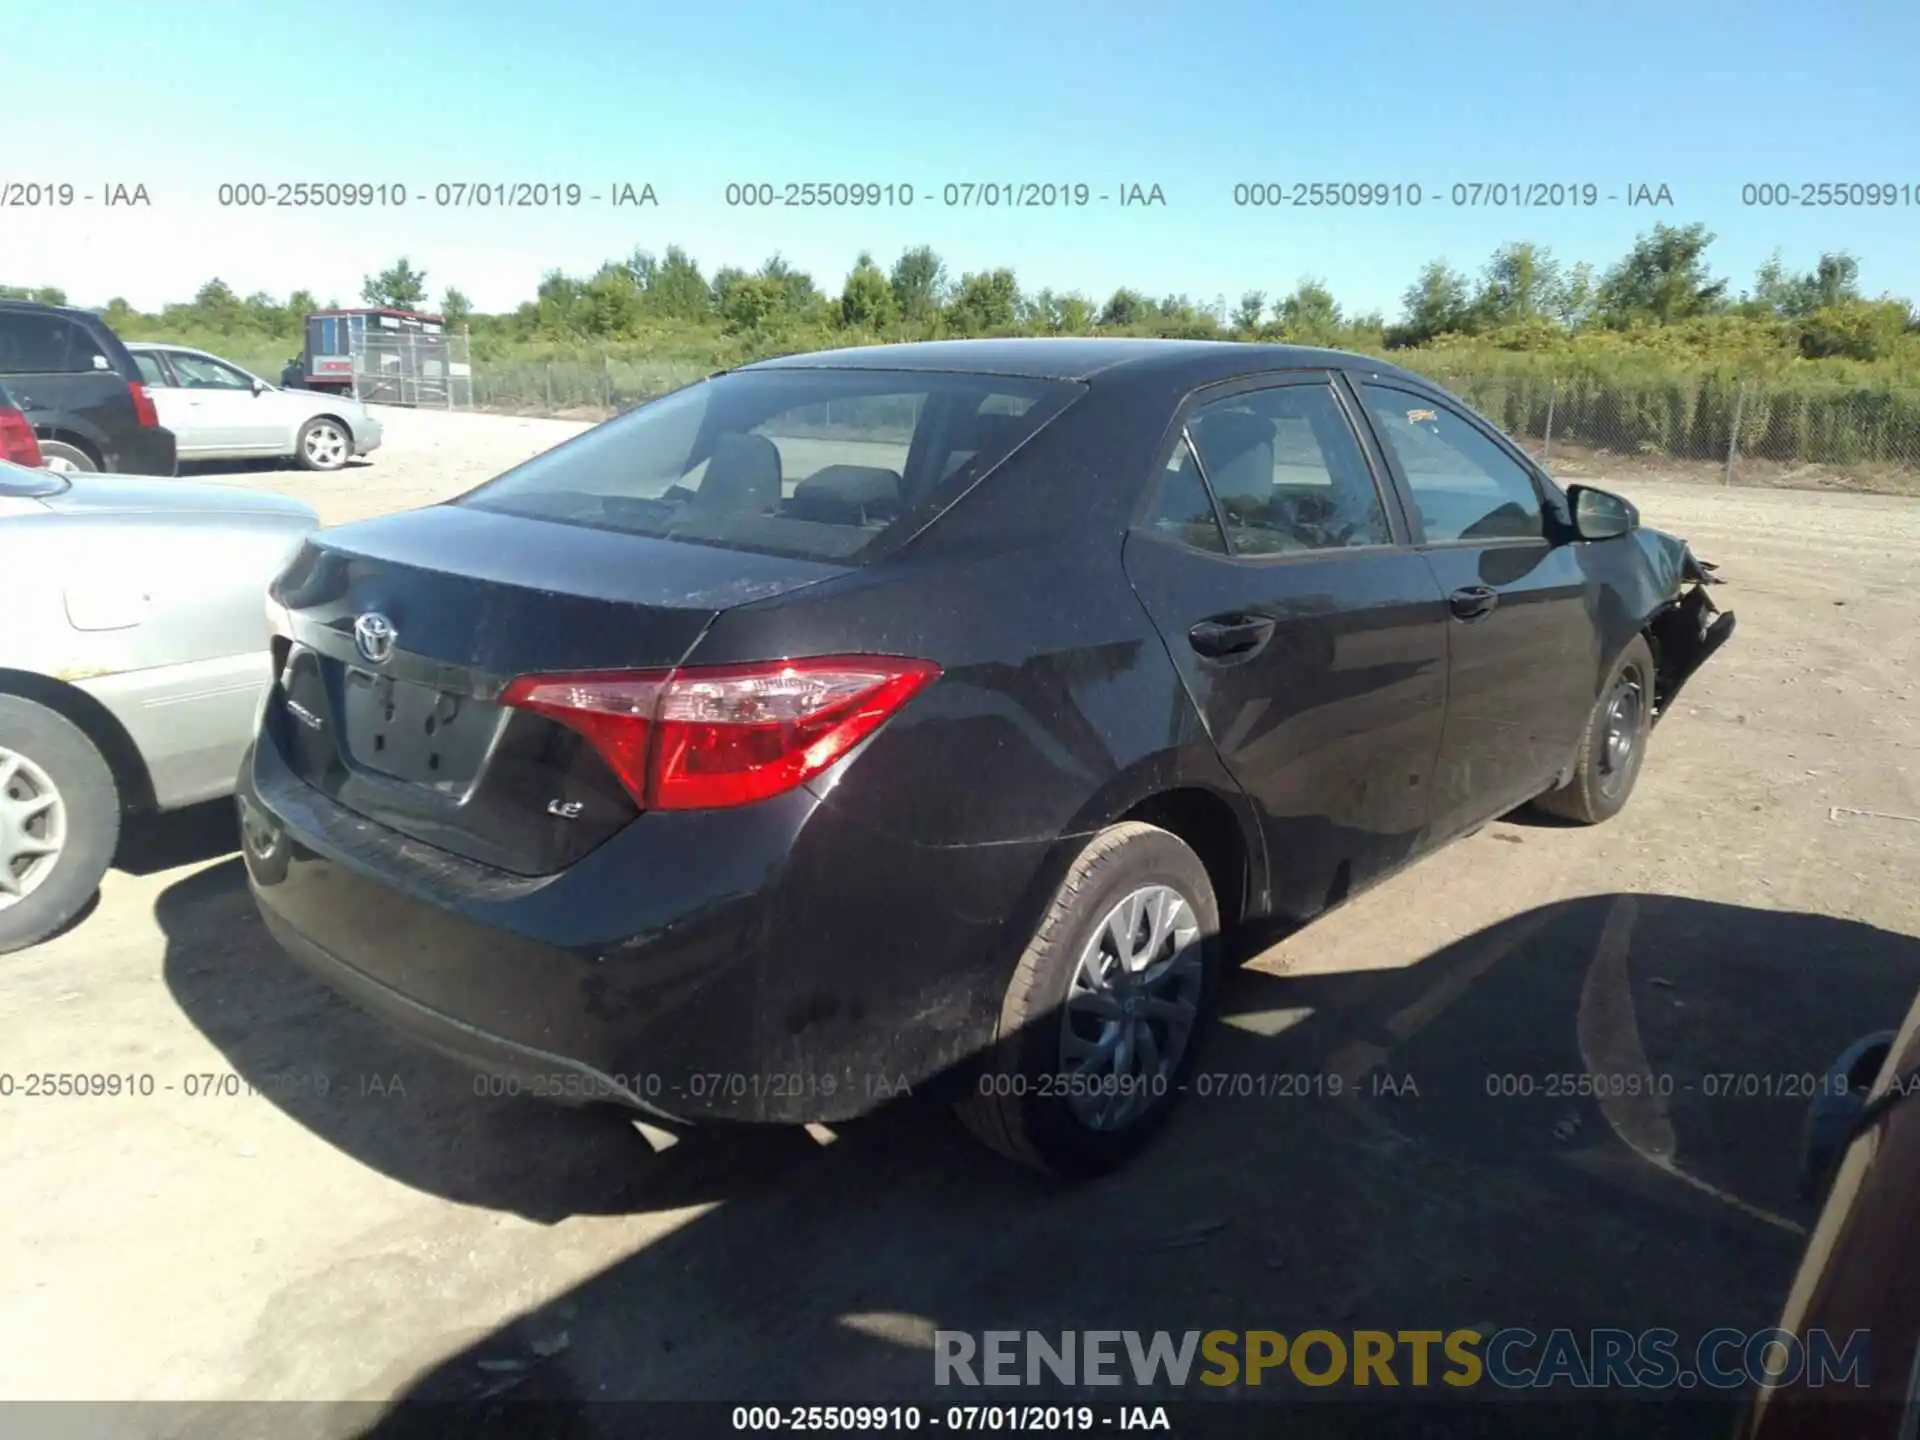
point(397, 1235)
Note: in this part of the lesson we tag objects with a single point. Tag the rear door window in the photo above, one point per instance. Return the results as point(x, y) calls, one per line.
point(32, 343)
point(819, 464)
point(1288, 471)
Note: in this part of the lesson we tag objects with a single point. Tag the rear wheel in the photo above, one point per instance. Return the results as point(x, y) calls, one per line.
point(324, 444)
point(1614, 744)
point(59, 455)
point(1099, 1028)
point(59, 821)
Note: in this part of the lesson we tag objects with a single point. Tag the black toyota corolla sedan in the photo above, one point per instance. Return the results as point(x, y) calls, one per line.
point(933, 717)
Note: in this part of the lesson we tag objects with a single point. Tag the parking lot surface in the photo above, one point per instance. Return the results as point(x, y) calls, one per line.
point(297, 1205)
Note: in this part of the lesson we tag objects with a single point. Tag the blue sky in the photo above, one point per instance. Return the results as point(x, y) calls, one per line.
point(1195, 98)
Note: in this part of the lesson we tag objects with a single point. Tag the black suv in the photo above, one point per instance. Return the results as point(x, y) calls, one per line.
point(80, 391)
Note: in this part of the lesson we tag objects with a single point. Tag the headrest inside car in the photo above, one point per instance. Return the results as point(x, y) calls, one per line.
point(846, 494)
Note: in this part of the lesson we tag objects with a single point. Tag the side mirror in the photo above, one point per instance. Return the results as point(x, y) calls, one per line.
point(1836, 1111)
point(259, 387)
point(1600, 514)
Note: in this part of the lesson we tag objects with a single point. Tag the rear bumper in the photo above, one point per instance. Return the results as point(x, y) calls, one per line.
point(521, 1069)
point(777, 963)
point(148, 450)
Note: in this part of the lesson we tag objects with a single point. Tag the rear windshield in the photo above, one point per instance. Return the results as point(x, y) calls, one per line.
point(819, 464)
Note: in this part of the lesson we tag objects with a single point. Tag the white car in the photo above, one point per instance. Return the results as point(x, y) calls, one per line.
point(133, 662)
point(217, 411)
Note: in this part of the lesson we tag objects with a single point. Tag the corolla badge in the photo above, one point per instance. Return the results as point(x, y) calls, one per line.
point(373, 637)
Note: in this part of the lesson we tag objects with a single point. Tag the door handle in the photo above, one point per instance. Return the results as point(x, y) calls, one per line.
point(1230, 635)
point(1473, 602)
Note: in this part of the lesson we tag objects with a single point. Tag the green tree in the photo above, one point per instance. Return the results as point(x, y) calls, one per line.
point(1074, 315)
point(866, 300)
point(798, 294)
point(1179, 317)
point(1247, 314)
point(398, 287)
point(1310, 315)
point(723, 280)
point(919, 284)
point(1437, 303)
point(1521, 282)
point(1663, 279)
point(300, 304)
point(985, 302)
point(1573, 306)
point(1773, 290)
point(678, 291)
point(610, 305)
point(557, 305)
point(751, 302)
point(44, 294)
point(1853, 329)
point(455, 309)
point(1125, 308)
point(644, 268)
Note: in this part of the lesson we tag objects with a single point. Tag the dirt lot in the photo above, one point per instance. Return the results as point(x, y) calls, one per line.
point(398, 1235)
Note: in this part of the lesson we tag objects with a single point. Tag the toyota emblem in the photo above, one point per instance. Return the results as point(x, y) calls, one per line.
point(373, 636)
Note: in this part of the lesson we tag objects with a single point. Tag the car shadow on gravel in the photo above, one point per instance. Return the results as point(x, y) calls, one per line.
point(407, 1112)
point(261, 465)
point(150, 844)
point(1409, 1148)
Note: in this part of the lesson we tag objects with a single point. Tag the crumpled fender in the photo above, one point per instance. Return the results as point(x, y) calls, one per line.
point(1681, 619)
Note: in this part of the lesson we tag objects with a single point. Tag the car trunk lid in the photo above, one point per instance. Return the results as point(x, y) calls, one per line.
point(399, 718)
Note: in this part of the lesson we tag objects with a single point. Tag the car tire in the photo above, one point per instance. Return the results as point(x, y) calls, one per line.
point(1605, 771)
point(58, 455)
point(42, 753)
point(323, 444)
point(1025, 1102)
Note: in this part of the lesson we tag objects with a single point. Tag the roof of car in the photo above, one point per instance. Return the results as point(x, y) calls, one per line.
point(77, 310)
point(1075, 358)
point(162, 345)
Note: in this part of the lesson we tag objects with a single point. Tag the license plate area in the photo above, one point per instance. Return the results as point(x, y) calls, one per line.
point(415, 733)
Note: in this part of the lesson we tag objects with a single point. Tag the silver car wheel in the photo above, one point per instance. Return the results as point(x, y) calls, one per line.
point(60, 465)
point(33, 827)
point(326, 446)
point(1130, 1008)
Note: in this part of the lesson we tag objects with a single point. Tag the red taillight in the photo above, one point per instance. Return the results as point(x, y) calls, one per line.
point(703, 739)
point(143, 410)
point(17, 440)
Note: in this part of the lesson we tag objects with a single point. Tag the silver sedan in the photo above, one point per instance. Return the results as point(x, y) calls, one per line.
point(132, 664)
point(217, 411)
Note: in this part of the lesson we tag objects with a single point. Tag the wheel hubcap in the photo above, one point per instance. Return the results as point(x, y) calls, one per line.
point(60, 465)
point(1131, 1008)
point(326, 445)
point(1625, 720)
point(33, 827)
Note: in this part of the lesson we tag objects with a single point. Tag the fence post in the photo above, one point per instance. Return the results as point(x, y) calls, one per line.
point(1546, 445)
point(549, 384)
point(606, 381)
point(1733, 431)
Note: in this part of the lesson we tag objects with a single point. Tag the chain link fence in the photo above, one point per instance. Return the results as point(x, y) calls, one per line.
point(405, 368)
point(596, 387)
point(1736, 432)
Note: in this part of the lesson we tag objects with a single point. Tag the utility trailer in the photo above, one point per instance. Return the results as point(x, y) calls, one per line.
point(384, 357)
